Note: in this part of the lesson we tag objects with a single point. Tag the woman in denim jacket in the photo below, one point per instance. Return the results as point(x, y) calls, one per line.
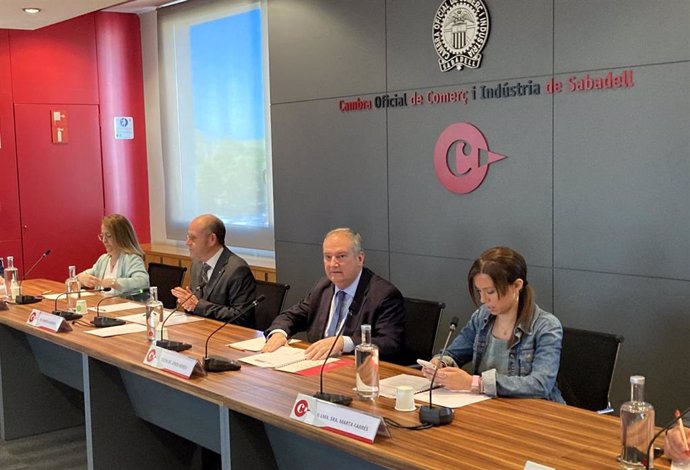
point(514, 345)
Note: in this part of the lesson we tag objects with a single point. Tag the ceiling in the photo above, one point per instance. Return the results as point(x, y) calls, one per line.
point(53, 11)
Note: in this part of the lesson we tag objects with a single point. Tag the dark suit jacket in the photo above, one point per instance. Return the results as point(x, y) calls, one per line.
point(230, 285)
point(380, 305)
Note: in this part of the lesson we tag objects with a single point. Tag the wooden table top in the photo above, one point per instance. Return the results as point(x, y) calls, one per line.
point(493, 434)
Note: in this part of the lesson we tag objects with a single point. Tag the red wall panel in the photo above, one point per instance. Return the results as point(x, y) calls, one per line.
point(121, 93)
point(10, 228)
point(61, 188)
point(55, 64)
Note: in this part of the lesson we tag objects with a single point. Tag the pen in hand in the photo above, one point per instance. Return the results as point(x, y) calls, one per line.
point(682, 432)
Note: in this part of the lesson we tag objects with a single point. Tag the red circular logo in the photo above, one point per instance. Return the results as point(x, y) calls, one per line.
point(32, 317)
point(469, 171)
point(301, 408)
point(151, 355)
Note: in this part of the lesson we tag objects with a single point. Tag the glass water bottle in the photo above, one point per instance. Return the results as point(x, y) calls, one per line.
point(73, 288)
point(11, 279)
point(367, 364)
point(637, 427)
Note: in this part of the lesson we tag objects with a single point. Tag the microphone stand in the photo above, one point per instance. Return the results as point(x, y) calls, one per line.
point(220, 364)
point(66, 314)
point(177, 346)
point(30, 299)
point(650, 458)
point(441, 414)
point(106, 322)
point(334, 397)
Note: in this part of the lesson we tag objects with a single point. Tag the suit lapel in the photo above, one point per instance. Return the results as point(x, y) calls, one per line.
point(356, 305)
point(215, 276)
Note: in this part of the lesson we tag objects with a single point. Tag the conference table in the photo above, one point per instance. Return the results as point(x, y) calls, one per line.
point(136, 416)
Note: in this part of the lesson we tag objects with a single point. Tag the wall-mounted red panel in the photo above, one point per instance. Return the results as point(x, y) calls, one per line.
point(10, 232)
point(55, 64)
point(61, 188)
point(120, 76)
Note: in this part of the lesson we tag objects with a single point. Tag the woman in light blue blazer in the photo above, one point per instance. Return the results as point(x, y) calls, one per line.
point(122, 266)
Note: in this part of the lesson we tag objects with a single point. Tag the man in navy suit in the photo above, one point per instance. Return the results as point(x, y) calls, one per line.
point(228, 281)
point(350, 294)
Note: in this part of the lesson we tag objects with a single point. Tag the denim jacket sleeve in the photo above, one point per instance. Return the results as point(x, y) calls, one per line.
point(461, 350)
point(536, 362)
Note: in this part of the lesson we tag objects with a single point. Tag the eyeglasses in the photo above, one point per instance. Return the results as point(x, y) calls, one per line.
point(104, 236)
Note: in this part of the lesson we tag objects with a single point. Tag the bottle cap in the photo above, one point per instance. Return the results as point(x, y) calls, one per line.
point(637, 379)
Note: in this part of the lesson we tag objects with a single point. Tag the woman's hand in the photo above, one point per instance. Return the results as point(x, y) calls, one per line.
point(88, 280)
point(452, 378)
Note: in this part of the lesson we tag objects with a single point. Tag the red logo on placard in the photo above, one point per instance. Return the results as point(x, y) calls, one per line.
point(32, 317)
point(301, 408)
point(151, 356)
point(469, 171)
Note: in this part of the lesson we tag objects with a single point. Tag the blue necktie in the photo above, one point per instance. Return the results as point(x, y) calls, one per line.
point(338, 315)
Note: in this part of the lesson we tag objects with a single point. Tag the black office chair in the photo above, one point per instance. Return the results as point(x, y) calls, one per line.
point(588, 359)
point(421, 323)
point(266, 311)
point(166, 277)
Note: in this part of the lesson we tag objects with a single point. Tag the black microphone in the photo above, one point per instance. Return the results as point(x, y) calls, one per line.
point(220, 364)
point(30, 299)
point(105, 322)
point(66, 314)
point(440, 415)
point(177, 345)
point(648, 461)
point(334, 397)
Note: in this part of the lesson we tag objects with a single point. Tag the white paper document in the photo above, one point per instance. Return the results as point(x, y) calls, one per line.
point(117, 330)
point(54, 296)
point(450, 399)
point(118, 307)
point(388, 387)
point(254, 344)
point(178, 319)
point(279, 358)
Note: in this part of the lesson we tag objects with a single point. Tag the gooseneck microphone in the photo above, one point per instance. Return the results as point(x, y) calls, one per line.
point(334, 397)
point(105, 322)
point(30, 299)
point(177, 345)
point(66, 314)
point(441, 414)
point(649, 459)
point(220, 364)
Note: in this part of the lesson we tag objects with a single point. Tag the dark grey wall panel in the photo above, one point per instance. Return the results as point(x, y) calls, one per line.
point(652, 315)
point(301, 266)
point(519, 44)
point(622, 176)
point(344, 41)
point(512, 206)
point(445, 280)
point(329, 171)
point(591, 34)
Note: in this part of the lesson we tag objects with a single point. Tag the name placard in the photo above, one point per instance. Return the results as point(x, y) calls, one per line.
point(339, 419)
point(47, 321)
point(172, 362)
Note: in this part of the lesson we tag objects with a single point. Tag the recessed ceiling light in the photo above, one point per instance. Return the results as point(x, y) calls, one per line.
point(31, 11)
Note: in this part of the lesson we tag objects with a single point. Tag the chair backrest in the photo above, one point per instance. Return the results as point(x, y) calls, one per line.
point(421, 323)
point(267, 310)
point(588, 359)
point(166, 277)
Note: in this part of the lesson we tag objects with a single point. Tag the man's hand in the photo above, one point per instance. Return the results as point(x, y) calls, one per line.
point(275, 341)
point(182, 294)
point(674, 446)
point(319, 350)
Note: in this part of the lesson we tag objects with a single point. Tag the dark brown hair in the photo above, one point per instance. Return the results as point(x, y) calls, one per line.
point(504, 266)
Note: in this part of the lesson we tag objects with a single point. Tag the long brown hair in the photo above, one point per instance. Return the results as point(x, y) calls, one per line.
point(504, 266)
point(123, 234)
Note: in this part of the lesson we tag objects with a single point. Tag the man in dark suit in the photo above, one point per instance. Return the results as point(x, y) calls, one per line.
point(348, 287)
point(229, 282)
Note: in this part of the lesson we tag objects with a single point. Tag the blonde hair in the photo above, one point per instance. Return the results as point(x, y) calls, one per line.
point(122, 233)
